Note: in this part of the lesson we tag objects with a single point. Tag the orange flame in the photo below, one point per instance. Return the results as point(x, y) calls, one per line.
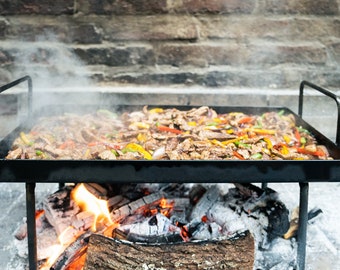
point(166, 206)
point(88, 202)
point(91, 203)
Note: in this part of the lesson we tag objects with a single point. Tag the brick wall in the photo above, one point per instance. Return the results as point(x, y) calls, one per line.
point(228, 43)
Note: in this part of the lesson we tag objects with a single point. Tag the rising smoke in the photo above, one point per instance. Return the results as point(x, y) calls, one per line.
point(50, 63)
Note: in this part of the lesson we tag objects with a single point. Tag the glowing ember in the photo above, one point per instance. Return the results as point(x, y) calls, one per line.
point(166, 207)
point(91, 203)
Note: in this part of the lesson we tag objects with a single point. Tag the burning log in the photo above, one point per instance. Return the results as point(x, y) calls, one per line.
point(71, 253)
point(60, 209)
point(108, 253)
point(132, 207)
point(209, 198)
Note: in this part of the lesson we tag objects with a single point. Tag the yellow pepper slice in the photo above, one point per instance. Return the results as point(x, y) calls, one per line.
point(24, 138)
point(287, 139)
point(216, 142)
point(284, 150)
point(142, 137)
point(138, 148)
point(156, 110)
point(234, 140)
point(269, 143)
point(192, 123)
point(261, 131)
point(140, 125)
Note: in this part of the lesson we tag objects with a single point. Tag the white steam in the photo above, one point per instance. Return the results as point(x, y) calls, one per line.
point(50, 63)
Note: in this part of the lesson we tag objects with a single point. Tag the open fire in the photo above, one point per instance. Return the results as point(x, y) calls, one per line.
point(156, 215)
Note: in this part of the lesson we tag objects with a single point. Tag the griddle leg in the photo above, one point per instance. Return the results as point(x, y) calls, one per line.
point(302, 231)
point(31, 230)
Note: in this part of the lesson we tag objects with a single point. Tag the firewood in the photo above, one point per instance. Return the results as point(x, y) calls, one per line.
point(210, 197)
point(129, 209)
point(117, 201)
point(75, 250)
point(97, 190)
point(108, 253)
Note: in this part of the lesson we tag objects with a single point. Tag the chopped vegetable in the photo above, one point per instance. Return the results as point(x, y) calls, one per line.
point(138, 148)
point(245, 120)
point(318, 153)
point(256, 156)
point(287, 139)
point(141, 125)
point(216, 142)
point(168, 129)
point(297, 136)
point(156, 110)
point(192, 123)
point(280, 113)
point(268, 142)
point(241, 144)
point(302, 130)
point(238, 155)
point(24, 138)
point(39, 152)
point(261, 131)
point(67, 144)
point(142, 137)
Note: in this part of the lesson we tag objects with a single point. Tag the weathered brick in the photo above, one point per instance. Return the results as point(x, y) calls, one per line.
point(321, 7)
point(212, 6)
point(115, 56)
point(52, 7)
point(164, 27)
point(200, 54)
point(205, 77)
point(35, 32)
point(3, 28)
point(122, 7)
point(230, 53)
point(242, 78)
point(85, 33)
point(32, 28)
point(267, 54)
point(285, 28)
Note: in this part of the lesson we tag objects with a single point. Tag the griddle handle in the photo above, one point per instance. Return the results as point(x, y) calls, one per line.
point(30, 93)
point(327, 93)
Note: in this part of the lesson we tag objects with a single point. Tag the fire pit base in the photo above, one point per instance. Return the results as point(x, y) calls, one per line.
point(108, 253)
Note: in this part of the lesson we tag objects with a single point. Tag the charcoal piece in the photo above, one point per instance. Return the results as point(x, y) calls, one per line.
point(196, 193)
point(170, 238)
point(278, 219)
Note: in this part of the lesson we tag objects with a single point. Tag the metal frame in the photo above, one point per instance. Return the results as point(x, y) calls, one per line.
point(167, 171)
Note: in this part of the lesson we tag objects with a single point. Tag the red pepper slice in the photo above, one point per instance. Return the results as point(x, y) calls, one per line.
point(238, 155)
point(167, 129)
point(67, 144)
point(298, 137)
point(317, 153)
point(245, 120)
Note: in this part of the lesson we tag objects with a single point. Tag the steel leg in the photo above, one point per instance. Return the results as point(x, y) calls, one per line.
point(31, 229)
point(302, 231)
